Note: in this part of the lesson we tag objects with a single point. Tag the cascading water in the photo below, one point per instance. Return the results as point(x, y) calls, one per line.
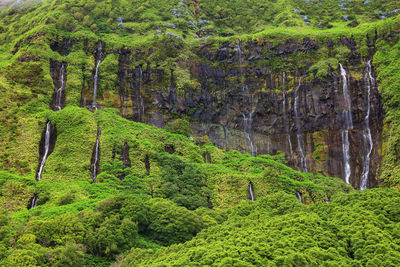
point(285, 121)
point(96, 157)
point(139, 98)
point(247, 120)
point(290, 147)
point(367, 138)
point(346, 155)
point(239, 54)
point(299, 196)
point(96, 75)
point(46, 151)
point(243, 86)
point(34, 202)
point(300, 143)
point(251, 192)
point(348, 125)
point(59, 91)
point(247, 125)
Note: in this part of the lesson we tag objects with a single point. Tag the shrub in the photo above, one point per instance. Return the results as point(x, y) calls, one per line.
point(179, 126)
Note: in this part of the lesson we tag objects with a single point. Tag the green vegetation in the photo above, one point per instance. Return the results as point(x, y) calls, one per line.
point(148, 208)
point(179, 126)
point(388, 68)
point(180, 200)
point(353, 230)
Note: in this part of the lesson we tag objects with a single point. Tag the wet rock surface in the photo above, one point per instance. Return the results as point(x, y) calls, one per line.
point(237, 80)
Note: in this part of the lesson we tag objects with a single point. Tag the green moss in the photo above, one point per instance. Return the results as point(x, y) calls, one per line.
point(323, 67)
point(385, 60)
point(123, 209)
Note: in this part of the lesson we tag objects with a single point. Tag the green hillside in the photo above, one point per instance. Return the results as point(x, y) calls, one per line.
point(116, 191)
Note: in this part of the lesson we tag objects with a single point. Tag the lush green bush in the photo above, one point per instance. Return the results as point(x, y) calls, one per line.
point(169, 223)
point(279, 230)
point(179, 126)
point(159, 199)
point(181, 182)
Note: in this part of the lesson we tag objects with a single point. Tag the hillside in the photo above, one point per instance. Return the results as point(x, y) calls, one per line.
point(193, 133)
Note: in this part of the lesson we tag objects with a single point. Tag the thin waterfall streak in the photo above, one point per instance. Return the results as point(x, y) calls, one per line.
point(96, 75)
point(239, 53)
point(348, 125)
point(96, 156)
point(34, 202)
point(59, 91)
point(296, 106)
point(300, 145)
point(46, 151)
point(251, 192)
point(299, 197)
point(243, 86)
point(290, 147)
point(285, 121)
point(247, 121)
point(347, 99)
point(367, 138)
point(346, 155)
point(367, 160)
point(284, 109)
point(247, 125)
point(141, 109)
point(303, 161)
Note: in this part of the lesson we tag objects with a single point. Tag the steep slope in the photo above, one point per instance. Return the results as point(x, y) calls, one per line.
point(244, 89)
point(242, 92)
point(147, 185)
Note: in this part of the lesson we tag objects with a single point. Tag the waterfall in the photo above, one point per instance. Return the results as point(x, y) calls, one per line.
point(299, 197)
point(247, 126)
point(34, 202)
point(239, 53)
point(247, 120)
point(367, 138)
point(96, 156)
point(285, 121)
point(60, 90)
point(348, 125)
point(243, 86)
point(300, 143)
point(290, 147)
point(139, 98)
point(46, 151)
point(347, 100)
point(96, 75)
point(251, 192)
point(346, 155)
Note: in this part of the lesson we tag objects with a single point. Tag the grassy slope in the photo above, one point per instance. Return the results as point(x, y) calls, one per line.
point(66, 191)
point(26, 88)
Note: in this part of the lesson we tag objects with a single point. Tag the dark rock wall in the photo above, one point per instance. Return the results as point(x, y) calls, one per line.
point(58, 73)
point(246, 100)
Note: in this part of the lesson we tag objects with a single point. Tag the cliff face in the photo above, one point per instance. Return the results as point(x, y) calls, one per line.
point(253, 109)
point(261, 98)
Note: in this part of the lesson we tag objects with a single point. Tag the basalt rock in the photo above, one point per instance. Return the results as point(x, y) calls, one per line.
point(46, 147)
point(245, 102)
point(58, 71)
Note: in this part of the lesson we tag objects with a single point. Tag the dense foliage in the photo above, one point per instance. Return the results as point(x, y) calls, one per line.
point(163, 202)
point(163, 197)
point(353, 230)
